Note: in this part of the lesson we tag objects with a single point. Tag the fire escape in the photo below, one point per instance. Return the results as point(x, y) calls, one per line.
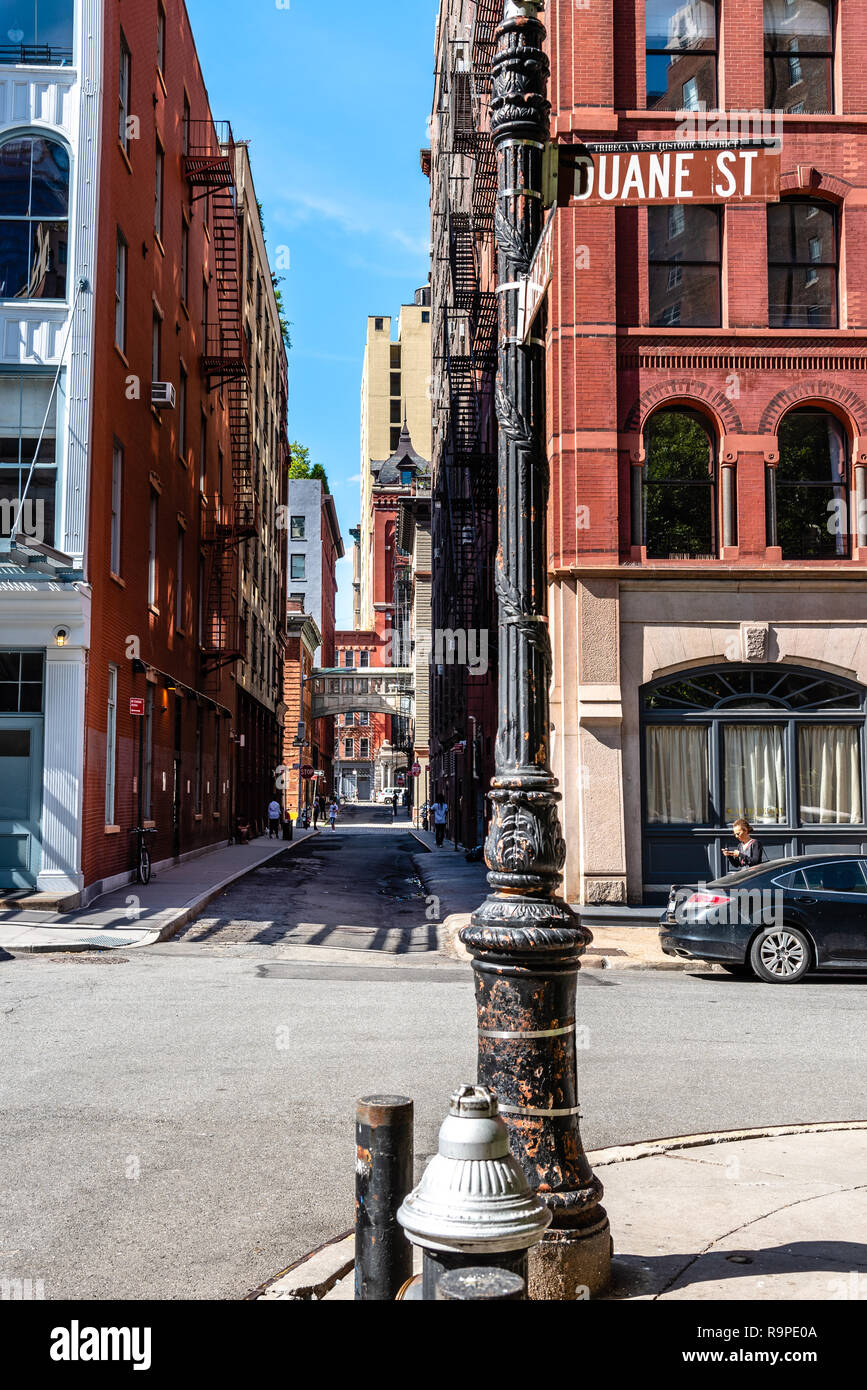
point(465, 350)
point(210, 172)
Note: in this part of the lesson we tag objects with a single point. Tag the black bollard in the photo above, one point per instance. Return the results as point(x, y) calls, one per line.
point(383, 1177)
point(480, 1284)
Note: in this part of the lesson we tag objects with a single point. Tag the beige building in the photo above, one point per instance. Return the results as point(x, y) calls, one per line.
point(395, 386)
point(262, 560)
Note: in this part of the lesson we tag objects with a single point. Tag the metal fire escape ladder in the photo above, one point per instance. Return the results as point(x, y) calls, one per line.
point(210, 168)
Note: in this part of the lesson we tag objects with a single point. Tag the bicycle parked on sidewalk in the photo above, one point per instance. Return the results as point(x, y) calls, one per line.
point(142, 860)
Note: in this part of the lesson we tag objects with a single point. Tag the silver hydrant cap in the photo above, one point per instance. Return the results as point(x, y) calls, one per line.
point(473, 1195)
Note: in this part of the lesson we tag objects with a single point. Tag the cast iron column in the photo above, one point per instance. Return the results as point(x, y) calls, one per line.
point(525, 940)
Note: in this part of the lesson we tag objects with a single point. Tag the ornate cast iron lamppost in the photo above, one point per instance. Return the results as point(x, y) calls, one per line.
point(525, 940)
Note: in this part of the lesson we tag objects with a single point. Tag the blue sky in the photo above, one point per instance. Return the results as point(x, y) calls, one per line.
point(334, 98)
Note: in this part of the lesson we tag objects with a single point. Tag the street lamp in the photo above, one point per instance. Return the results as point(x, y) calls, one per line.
point(526, 942)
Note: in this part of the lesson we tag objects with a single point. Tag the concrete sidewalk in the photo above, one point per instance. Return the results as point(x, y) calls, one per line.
point(623, 938)
point(752, 1214)
point(136, 915)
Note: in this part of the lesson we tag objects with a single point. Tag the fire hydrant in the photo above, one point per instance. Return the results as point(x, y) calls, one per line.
point(473, 1205)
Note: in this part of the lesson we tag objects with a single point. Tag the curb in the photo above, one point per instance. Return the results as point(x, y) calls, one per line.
point(188, 913)
point(333, 1262)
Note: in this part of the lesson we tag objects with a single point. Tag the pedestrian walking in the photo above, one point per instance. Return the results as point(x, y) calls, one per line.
point(440, 816)
point(749, 851)
point(332, 815)
point(317, 807)
point(275, 816)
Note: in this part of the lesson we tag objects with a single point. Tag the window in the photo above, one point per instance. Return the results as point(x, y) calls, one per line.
point(799, 55)
point(364, 750)
point(28, 403)
point(394, 388)
point(161, 40)
point(182, 414)
point(298, 567)
point(185, 128)
point(147, 785)
point(156, 347)
point(39, 32)
point(406, 477)
point(802, 264)
point(203, 454)
point(364, 658)
point(349, 658)
point(120, 292)
point(296, 528)
point(205, 312)
point(395, 439)
point(179, 582)
point(123, 94)
point(364, 718)
point(110, 745)
point(395, 412)
point(829, 761)
point(185, 260)
point(159, 171)
point(34, 211)
point(684, 266)
point(348, 748)
point(378, 325)
point(681, 49)
point(425, 315)
point(836, 877)
point(21, 682)
point(198, 774)
point(153, 527)
point(679, 486)
point(116, 503)
point(807, 488)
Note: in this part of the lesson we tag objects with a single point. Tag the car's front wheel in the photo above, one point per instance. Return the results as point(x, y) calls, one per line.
point(781, 956)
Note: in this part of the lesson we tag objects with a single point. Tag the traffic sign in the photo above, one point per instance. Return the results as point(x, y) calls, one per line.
point(416, 769)
point(307, 773)
point(136, 706)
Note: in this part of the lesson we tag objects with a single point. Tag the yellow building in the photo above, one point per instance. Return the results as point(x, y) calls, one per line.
point(395, 386)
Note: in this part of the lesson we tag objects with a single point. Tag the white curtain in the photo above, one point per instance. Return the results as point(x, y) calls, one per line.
point(755, 773)
point(677, 776)
point(829, 758)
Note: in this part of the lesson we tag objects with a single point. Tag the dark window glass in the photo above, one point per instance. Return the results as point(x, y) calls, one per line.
point(679, 487)
point(27, 494)
point(836, 877)
point(799, 55)
point(684, 266)
point(802, 264)
point(34, 203)
point(681, 48)
point(810, 487)
point(21, 682)
point(36, 31)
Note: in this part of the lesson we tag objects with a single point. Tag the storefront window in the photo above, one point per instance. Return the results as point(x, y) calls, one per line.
point(754, 773)
point(34, 207)
point(829, 762)
point(677, 774)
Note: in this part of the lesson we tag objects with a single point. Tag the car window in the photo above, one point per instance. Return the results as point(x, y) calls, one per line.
point(794, 880)
point(837, 877)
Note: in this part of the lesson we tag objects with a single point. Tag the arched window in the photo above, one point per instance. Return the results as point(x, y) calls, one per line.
point(679, 486)
point(34, 218)
point(799, 46)
point(681, 48)
point(802, 264)
point(807, 488)
point(37, 31)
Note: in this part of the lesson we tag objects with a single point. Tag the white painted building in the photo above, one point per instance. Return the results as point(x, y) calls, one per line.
point(50, 84)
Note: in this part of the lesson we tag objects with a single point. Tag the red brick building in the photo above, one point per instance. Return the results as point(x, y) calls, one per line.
point(707, 423)
point(174, 491)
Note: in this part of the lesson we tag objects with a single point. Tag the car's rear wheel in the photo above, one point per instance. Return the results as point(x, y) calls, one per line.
point(781, 956)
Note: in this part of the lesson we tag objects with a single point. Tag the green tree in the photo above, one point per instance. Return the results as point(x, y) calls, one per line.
point(301, 467)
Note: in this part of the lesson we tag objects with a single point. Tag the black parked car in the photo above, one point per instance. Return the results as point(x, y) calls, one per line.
point(778, 921)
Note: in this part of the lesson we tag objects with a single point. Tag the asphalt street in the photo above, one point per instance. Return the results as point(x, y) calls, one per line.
point(178, 1121)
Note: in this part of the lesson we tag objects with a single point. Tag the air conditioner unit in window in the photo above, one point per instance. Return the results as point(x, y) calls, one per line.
point(162, 395)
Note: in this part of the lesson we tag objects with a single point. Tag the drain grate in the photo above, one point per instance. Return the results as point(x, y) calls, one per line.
point(102, 942)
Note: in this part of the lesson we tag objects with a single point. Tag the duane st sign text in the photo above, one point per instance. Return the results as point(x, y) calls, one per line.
point(623, 174)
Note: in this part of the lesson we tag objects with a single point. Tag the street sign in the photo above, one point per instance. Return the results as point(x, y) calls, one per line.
point(416, 769)
point(534, 285)
point(136, 706)
point(308, 772)
point(626, 173)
